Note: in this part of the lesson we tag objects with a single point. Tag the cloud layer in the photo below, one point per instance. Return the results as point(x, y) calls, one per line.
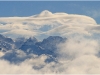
point(47, 23)
point(80, 54)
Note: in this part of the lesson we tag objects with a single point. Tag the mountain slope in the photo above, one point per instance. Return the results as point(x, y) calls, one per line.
point(47, 46)
point(6, 43)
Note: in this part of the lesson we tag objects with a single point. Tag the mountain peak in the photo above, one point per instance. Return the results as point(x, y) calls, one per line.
point(45, 13)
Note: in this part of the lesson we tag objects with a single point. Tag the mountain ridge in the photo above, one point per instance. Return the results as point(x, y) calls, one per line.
point(32, 45)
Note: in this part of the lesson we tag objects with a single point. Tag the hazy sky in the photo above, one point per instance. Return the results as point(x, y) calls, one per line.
point(28, 8)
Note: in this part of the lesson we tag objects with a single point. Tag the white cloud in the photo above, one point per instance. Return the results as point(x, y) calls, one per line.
point(78, 55)
point(1, 53)
point(58, 23)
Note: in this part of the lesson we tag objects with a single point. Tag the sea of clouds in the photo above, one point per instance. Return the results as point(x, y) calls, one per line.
point(77, 55)
point(80, 54)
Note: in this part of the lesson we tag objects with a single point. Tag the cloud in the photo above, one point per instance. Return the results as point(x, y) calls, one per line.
point(94, 13)
point(78, 55)
point(47, 23)
point(29, 65)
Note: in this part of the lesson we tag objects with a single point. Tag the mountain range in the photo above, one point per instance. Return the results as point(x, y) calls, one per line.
point(30, 45)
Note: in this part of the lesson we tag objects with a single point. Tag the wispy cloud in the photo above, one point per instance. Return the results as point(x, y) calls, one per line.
point(93, 13)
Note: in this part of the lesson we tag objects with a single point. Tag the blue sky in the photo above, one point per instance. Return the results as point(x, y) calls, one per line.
point(28, 8)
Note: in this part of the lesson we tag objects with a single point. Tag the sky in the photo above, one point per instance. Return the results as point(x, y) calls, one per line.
point(29, 8)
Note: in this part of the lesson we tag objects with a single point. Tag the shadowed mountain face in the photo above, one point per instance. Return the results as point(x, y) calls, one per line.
point(19, 42)
point(47, 46)
point(29, 46)
point(6, 39)
point(6, 43)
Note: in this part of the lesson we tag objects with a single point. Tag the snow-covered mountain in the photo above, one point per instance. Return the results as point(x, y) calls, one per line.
point(31, 45)
point(6, 43)
point(47, 46)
